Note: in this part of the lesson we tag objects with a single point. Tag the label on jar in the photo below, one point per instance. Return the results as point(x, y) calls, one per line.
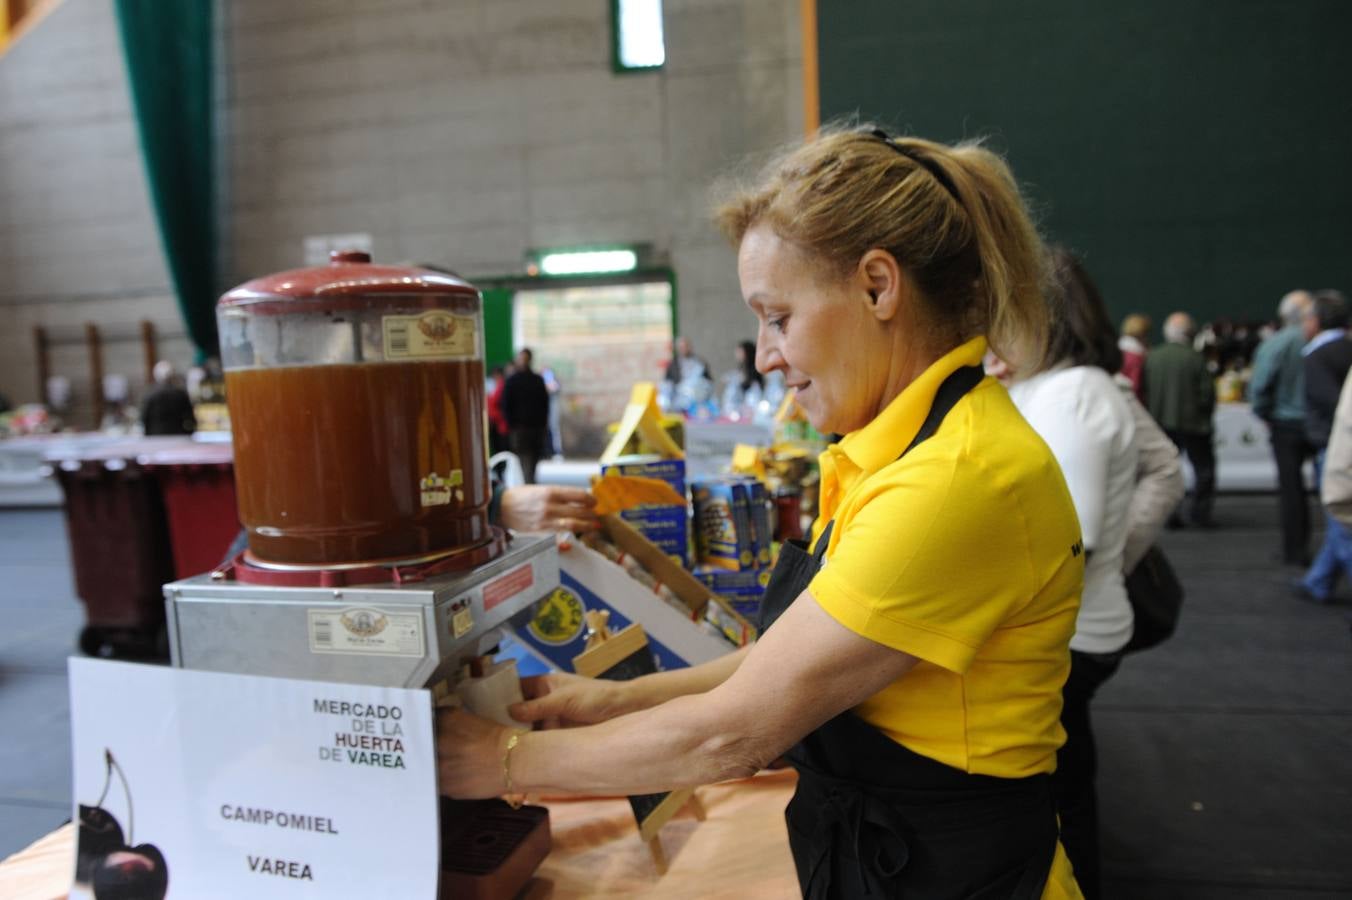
point(430, 335)
point(366, 631)
point(436, 490)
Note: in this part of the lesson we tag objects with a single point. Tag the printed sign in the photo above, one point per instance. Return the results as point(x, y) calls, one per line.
point(201, 784)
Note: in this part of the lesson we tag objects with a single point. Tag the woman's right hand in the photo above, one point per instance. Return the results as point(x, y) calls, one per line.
point(561, 700)
point(549, 507)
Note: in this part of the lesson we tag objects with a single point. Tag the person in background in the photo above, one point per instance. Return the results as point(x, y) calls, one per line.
point(687, 384)
point(1328, 359)
point(525, 406)
point(1335, 491)
point(743, 387)
point(1277, 396)
point(1071, 400)
point(554, 439)
point(914, 678)
point(167, 409)
point(1159, 482)
point(497, 422)
point(1135, 344)
point(685, 365)
point(1181, 397)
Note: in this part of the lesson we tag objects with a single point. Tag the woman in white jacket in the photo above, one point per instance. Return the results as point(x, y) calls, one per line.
point(1122, 497)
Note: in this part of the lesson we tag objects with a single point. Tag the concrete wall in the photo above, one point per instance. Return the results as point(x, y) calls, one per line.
point(463, 132)
point(466, 133)
point(77, 237)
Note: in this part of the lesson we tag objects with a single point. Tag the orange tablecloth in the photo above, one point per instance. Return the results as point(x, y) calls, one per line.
point(739, 851)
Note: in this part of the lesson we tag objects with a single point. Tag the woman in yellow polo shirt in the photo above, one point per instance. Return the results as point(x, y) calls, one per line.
point(914, 658)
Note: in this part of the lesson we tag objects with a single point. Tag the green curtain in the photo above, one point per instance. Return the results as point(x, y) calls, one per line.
point(168, 48)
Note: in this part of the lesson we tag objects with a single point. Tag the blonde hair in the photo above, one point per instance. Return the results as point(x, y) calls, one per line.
point(952, 216)
point(1137, 325)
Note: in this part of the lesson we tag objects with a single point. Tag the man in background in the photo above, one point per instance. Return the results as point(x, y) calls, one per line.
point(1182, 397)
point(1328, 359)
point(688, 381)
point(525, 406)
point(167, 409)
point(1277, 396)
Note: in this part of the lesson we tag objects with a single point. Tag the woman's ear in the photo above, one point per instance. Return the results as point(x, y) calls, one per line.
point(882, 280)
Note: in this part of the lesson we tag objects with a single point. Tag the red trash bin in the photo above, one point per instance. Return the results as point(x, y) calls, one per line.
point(119, 542)
point(197, 483)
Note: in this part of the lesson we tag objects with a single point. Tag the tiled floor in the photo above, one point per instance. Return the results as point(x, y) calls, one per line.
point(1225, 755)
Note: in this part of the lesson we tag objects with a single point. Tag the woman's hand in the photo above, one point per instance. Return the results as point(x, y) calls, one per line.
point(469, 755)
point(560, 700)
point(549, 507)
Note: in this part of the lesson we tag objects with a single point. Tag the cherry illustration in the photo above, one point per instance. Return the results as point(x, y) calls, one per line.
point(99, 833)
point(117, 870)
point(138, 873)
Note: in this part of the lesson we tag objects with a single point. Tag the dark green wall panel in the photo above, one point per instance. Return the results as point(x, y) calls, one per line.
point(1196, 153)
point(498, 326)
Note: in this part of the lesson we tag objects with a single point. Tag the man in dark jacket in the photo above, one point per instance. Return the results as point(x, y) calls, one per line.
point(1277, 396)
point(1328, 358)
point(525, 406)
point(1181, 397)
point(167, 409)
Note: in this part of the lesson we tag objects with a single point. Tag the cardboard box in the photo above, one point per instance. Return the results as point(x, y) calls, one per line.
point(672, 471)
point(762, 535)
point(748, 608)
point(722, 581)
point(743, 590)
point(557, 632)
point(722, 524)
point(665, 525)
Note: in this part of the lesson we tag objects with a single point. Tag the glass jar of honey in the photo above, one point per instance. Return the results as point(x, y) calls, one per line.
point(356, 396)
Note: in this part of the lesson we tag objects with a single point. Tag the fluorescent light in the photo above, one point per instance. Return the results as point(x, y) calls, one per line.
point(640, 33)
point(588, 262)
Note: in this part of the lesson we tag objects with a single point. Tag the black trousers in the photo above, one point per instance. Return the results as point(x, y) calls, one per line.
point(1290, 449)
point(1077, 767)
point(528, 444)
point(1202, 456)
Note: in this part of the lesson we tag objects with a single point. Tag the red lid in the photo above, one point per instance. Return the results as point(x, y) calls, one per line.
point(350, 276)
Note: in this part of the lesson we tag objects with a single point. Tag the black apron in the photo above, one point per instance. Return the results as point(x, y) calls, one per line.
point(872, 818)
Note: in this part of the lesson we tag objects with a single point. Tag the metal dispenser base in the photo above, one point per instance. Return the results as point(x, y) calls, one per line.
point(408, 635)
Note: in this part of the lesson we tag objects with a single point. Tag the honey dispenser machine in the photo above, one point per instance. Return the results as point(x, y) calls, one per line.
point(356, 396)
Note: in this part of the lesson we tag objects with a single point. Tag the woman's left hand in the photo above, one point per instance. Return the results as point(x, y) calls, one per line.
point(469, 755)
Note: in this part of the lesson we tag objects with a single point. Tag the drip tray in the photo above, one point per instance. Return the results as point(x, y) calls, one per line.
point(489, 850)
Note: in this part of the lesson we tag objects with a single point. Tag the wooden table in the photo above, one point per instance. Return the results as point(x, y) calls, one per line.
point(739, 851)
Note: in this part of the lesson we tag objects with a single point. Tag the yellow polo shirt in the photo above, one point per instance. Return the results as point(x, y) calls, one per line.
point(965, 554)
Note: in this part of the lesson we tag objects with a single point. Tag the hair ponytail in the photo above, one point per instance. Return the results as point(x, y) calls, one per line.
point(952, 216)
point(1015, 270)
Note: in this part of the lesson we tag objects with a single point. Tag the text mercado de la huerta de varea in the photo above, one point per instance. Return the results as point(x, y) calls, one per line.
point(373, 739)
